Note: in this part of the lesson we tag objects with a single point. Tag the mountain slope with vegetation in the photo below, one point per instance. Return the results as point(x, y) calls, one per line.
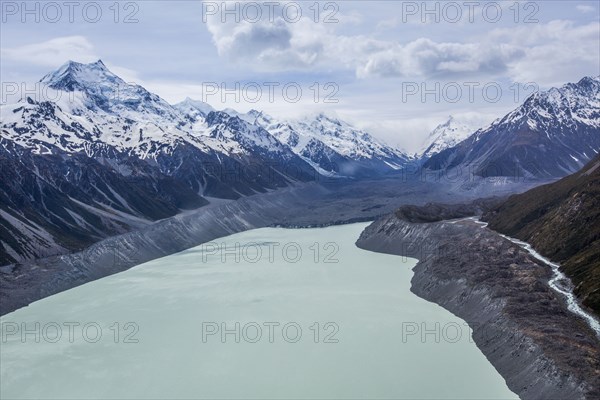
point(562, 222)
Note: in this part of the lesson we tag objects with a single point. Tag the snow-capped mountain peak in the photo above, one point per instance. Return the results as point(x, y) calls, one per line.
point(100, 89)
point(77, 76)
point(558, 109)
point(552, 134)
point(194, 108)
point(446, 135)
point(329, 143)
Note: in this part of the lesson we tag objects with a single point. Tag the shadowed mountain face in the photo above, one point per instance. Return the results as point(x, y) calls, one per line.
point(56, 203)
point(101, 157)
point(551, 135)
point(562, 222)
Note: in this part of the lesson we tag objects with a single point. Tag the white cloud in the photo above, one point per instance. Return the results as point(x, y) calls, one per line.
point(556, 52)
point(53, 52)
point(542, 52)
point(426, 58)
point(269, 44)
point(281, 46)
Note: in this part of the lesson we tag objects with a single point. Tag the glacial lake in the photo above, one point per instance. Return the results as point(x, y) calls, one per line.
point(301, 313)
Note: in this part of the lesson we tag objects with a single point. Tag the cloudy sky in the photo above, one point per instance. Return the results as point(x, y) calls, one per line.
point(396, 68)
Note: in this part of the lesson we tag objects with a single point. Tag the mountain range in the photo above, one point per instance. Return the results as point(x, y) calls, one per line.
point(84, 159)
point(552, 134)
point(97, 156)
point(333, 146)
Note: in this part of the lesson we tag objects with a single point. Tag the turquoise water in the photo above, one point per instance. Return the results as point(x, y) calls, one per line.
point(335, 321)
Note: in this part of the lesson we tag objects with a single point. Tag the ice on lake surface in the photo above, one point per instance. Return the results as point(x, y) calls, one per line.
point(161, 328)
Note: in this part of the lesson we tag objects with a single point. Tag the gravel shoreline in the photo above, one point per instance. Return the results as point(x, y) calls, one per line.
point(521, 325)
point(301, 206)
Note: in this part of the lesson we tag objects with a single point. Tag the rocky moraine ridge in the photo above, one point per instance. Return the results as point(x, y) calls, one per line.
point(520, 324)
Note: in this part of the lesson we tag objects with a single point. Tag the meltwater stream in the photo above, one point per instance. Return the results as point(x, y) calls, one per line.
point(555, 281)
point(335, 321)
